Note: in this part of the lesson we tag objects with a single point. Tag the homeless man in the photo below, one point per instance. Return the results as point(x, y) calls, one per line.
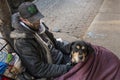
point(41, 54)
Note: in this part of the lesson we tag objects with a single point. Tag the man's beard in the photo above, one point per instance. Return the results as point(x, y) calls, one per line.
point(35, 26)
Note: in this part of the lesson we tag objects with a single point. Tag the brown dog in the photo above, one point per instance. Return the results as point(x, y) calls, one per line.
point(79, 50)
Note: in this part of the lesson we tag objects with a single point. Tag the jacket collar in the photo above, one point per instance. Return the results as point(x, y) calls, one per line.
point(18, 34)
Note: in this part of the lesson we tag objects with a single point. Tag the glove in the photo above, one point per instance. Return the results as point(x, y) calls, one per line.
point(69, 66)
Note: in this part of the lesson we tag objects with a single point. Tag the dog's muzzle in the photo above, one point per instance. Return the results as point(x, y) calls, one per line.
point(76, 57)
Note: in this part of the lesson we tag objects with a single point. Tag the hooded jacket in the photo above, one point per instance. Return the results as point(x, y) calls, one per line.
point(33, 55)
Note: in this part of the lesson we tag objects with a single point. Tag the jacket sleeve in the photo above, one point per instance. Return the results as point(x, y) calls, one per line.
point(62, 46)
point(37, 68)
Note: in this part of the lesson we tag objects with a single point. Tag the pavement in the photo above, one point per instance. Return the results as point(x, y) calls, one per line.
point(71, 17)
point(105, 28)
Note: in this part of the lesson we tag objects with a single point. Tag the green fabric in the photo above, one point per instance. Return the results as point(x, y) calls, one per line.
point(32, 9)
point(9, 58)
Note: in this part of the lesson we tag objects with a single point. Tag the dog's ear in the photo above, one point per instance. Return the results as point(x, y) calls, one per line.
point(89, 48)
point(68, 47)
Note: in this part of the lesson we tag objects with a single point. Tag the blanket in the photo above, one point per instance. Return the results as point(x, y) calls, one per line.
point(100, 65)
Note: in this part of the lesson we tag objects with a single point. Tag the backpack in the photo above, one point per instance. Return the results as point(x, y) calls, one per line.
point(10, 63)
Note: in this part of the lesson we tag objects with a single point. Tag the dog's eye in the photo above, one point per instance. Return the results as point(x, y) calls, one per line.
point(78, 47)
point(83, 47)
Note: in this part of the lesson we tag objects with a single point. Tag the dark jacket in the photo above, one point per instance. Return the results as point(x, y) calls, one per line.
point(33, 55)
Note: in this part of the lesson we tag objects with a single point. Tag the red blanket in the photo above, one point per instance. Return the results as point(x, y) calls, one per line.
point(102, 65)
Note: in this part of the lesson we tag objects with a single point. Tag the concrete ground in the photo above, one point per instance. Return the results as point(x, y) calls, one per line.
point(71, 17)
point(105, 28)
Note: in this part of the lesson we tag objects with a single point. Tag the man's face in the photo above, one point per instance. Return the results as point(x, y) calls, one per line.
point(35, 25)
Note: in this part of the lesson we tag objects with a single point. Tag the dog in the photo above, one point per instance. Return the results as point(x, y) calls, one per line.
point(79, 50)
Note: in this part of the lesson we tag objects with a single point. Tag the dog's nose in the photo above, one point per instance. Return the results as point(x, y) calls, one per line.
point(81, 57)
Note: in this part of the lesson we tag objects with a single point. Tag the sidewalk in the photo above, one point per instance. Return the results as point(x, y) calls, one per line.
point(72, 17)
point(105, 28)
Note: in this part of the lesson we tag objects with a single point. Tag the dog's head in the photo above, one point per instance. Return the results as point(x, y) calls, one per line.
point(79, 50)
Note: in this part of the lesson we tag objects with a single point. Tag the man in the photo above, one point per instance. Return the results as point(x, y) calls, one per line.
point(39, 51)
